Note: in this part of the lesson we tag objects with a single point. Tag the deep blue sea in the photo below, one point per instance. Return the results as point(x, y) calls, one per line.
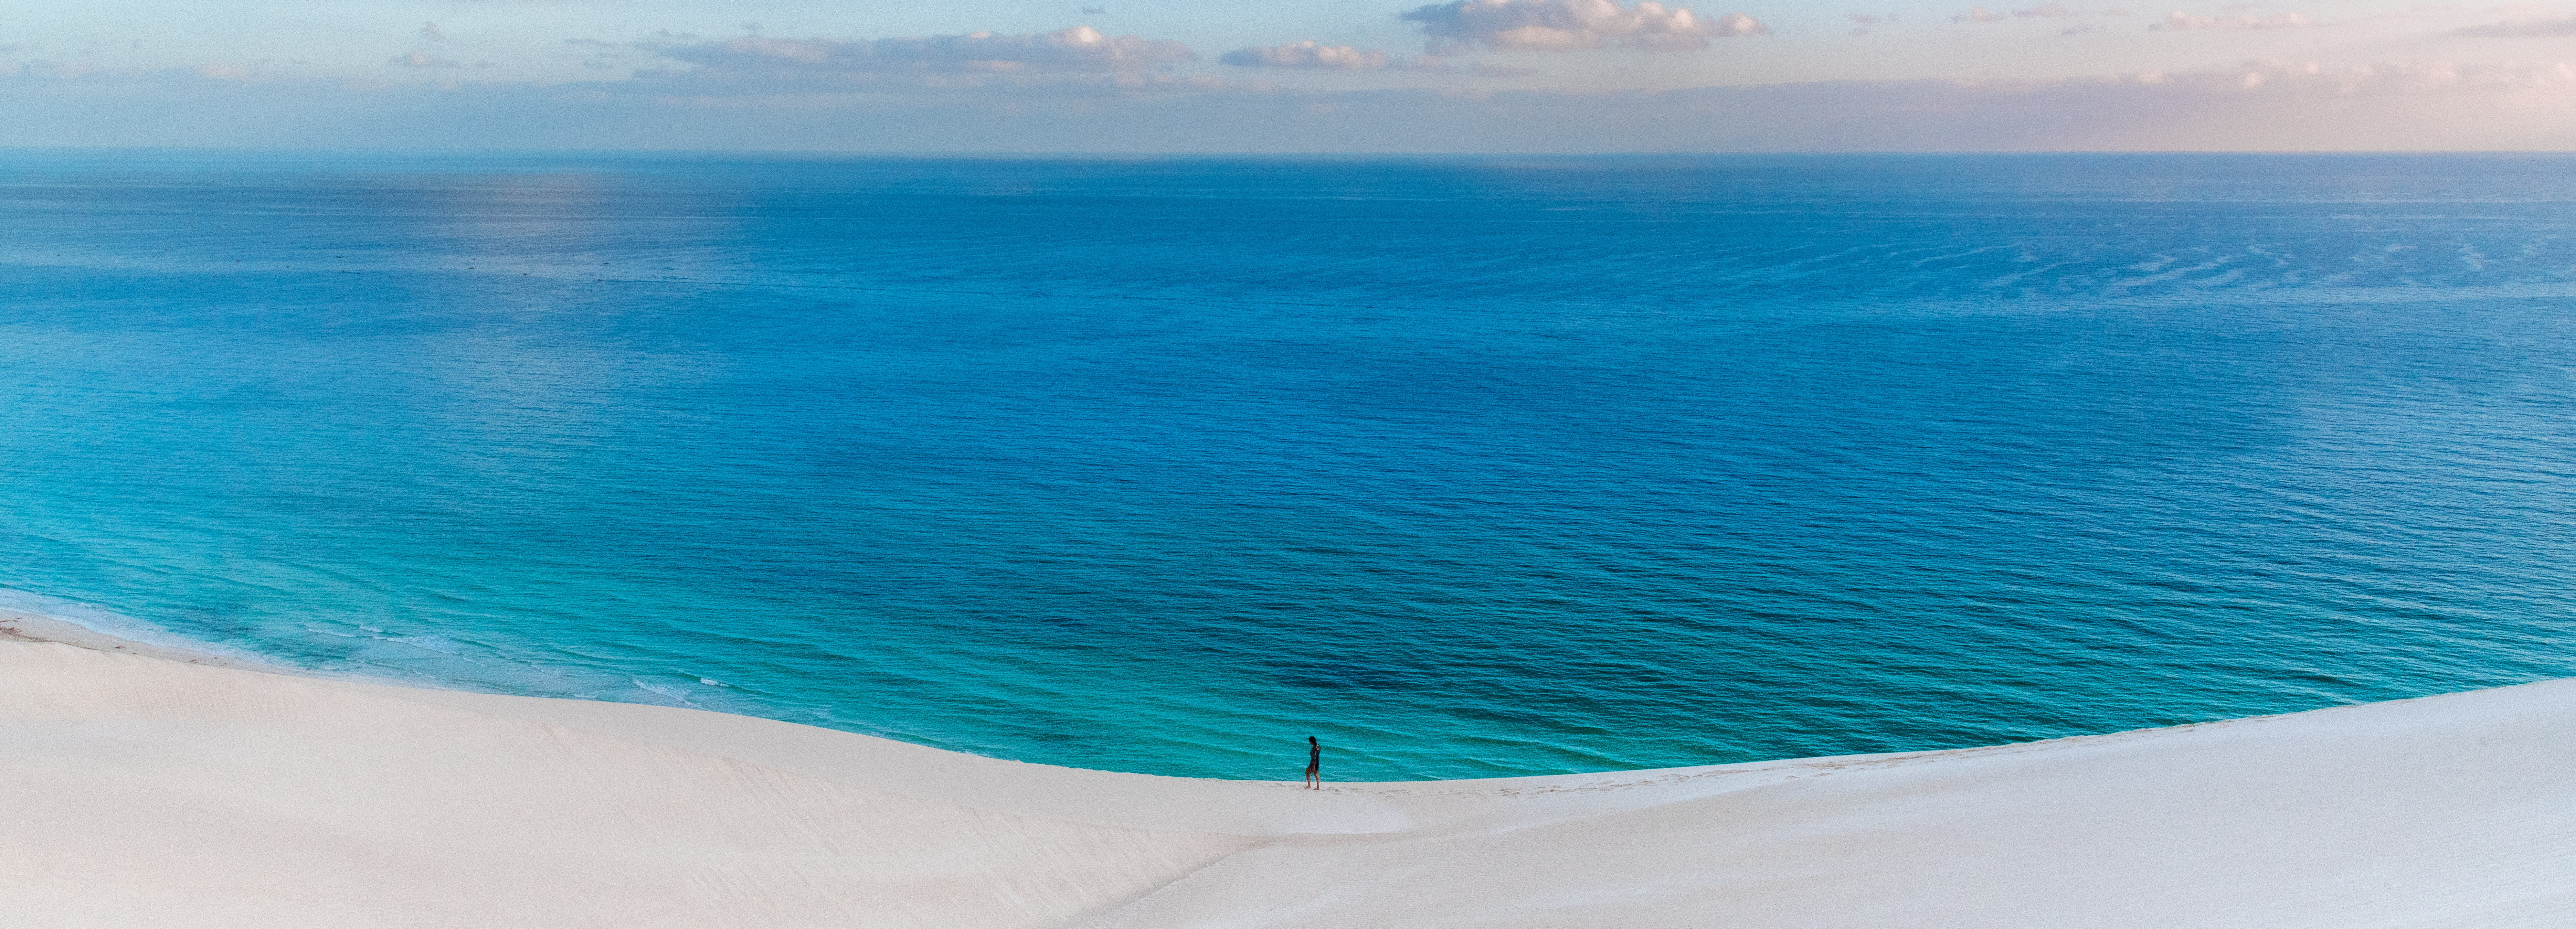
point(1470, 467)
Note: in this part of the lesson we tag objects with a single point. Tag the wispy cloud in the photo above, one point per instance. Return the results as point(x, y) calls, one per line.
point(2523, 29)
point(430, 31)
point(2181, 20)
point(1563, 25)
point(1311, 55)
point(1079, 49)
point(1308, 55)
point(2276, 105)
point(418, 60)
point(1978, 14)
point(1075, 61)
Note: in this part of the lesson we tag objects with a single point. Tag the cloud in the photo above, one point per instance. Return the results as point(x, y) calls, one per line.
point(2187, 21)
point(2524, 29)
point(430, 31)
point(1562, 25)
point(1307, 55)
point(1346, 58)
point(1978, 14)
point(418, 60)
point(1080, 49)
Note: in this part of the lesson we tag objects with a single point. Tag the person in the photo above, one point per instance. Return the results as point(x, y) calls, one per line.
point(1314, 764)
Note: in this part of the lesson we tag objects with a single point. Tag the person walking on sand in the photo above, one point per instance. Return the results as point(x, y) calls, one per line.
point(1314, 764)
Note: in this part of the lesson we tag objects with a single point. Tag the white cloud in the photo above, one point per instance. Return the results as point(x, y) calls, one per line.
point(1978, 14)
point(1078, 49)
point(2524, 29)
point(418, 60)
point(1561, 25)
point(2179, 20)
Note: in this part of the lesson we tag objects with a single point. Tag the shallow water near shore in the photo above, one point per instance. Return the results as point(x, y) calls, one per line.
point(1470, 467)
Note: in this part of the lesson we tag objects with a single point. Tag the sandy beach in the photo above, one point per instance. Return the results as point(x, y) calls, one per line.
point(158, 787)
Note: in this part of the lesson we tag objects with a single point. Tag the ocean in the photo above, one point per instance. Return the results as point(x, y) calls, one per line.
point(1469, 467)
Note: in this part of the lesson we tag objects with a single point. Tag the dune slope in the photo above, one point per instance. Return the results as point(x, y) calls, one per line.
point(146, 791)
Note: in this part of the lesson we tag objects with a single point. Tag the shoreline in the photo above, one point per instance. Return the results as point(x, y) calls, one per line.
point(19, 625)
point(184, 793)
point(29, 626)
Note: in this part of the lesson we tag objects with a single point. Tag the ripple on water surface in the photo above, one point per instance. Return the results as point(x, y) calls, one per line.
point(1469, 467)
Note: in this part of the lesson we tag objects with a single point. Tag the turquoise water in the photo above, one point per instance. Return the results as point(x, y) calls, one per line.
point(1470, 467)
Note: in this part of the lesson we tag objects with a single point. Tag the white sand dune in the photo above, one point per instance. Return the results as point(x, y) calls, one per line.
point(144, 791)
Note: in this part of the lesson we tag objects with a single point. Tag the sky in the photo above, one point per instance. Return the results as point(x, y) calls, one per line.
point(1323, 76)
